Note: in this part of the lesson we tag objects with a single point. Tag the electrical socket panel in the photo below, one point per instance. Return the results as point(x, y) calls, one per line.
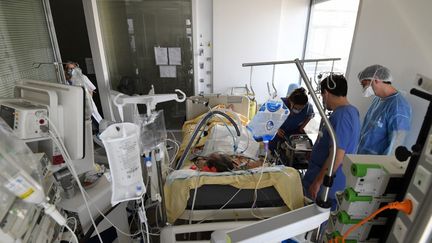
point(415, 206)
point(428, 151)
point(424, 82)
point(422, 179)
point(399, 230)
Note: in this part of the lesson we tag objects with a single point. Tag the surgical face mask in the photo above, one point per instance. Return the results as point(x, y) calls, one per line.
point(368, 92)
point(295, 111)
point(69, 72)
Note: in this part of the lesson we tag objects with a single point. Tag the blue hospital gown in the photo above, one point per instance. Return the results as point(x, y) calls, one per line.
point(346, 123)
point(385, 116)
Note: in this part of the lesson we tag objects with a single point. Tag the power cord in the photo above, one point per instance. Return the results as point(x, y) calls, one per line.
point(404, 206)
point(256, 187)
point(54, 136)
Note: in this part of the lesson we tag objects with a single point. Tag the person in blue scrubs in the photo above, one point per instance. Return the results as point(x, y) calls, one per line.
point(388, 119)
point(345, 120)
point(301, 112)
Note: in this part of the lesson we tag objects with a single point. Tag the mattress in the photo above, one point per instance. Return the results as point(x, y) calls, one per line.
point(276, 185)
point(284, 180)
point(214, 196)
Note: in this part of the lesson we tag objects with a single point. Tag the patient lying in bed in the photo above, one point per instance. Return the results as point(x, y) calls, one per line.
point(217, 162)
point(218, 154)
point(235, 159)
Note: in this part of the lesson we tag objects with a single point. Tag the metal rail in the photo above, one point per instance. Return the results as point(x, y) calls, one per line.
point(325, 193)
point(253, 64)
point(330, 129)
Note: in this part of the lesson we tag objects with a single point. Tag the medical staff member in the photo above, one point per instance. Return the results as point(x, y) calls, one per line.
point(345, 120)
point(389, 117)
point(87, 84)
point(301, 112)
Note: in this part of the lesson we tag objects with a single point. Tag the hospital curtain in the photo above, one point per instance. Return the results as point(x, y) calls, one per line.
point(24, 40)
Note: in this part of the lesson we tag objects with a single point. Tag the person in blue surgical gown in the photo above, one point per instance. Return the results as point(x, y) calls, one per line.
point(301, 112)
point(388, 119)
point(345, 121)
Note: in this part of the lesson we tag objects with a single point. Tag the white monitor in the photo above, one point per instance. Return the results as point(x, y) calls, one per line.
point(66, 106)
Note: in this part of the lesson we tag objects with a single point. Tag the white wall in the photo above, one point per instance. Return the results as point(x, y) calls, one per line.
point(256, 31)
point(203, 45)
point(396, 34)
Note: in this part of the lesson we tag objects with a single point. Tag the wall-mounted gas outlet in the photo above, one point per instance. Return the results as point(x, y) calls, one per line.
point(422, 179)
point(428, 151)
point(424, 82)
point(414, 206)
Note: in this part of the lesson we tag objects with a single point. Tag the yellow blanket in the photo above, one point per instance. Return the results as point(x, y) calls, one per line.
point(287, 184)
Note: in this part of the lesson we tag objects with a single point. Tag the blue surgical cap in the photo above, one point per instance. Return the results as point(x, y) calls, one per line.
point(375, 72)
point(292, 87)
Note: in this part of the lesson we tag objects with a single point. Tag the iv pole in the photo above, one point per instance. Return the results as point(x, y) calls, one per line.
point(304, 219)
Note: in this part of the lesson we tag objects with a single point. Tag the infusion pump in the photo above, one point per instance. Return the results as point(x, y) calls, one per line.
point(27, 120)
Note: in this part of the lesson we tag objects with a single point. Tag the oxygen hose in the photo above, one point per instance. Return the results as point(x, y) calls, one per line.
point(197, 129)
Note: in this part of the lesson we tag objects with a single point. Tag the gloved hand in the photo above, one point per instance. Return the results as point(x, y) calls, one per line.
point(281, 133)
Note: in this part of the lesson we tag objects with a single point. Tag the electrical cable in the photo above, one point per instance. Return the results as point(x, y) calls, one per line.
point(69, 164)
point(74, 228)
point(172, 134)
point(404, 206)
point(132, 220)
point(85, 196)
point(142, 233)
point(111, 223)
point(83, 192)
point(99, 219)
point(194, 196)
point(223, 206)
point(156, 216)
point(73, 233)
point(74, 174)
point(145, 222)
point(248, 142)
point(75, 223)
point(256, 187)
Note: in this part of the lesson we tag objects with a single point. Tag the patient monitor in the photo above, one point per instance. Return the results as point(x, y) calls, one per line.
point(64, 107)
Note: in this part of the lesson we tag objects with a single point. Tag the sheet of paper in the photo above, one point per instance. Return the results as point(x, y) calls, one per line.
point(168, 71)
point(174, 54)
point(161, 55)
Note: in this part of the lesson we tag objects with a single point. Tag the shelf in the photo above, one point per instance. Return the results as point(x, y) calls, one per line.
point(31, 140)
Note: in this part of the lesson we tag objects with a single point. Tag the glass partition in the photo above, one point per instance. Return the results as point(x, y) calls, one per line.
point(133, 31)
point(331, 30)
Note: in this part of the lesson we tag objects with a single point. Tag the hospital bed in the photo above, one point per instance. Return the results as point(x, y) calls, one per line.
point(200, 196)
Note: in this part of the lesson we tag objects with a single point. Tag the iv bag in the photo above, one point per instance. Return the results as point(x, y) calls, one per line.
point(121, 141)
point(268, 119)
point(152, 130)
point(19, 168)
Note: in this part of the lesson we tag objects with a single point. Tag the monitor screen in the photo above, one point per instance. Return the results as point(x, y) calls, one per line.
point(66, 107)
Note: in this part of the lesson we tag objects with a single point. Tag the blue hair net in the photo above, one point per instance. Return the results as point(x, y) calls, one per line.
point(292, 87)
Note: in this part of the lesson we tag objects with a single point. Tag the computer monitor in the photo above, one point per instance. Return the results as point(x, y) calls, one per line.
point(66, 107)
